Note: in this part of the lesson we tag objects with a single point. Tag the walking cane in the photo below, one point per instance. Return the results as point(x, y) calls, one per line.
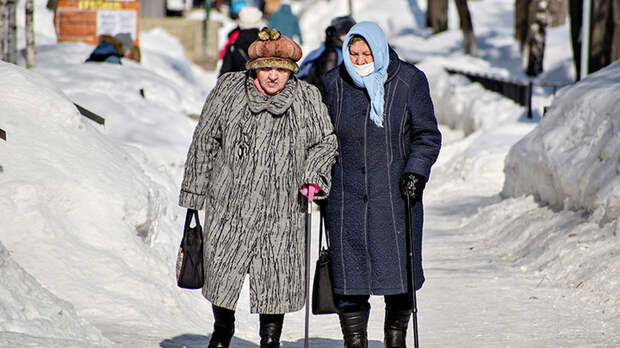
point(411, 237)
point(308, 242)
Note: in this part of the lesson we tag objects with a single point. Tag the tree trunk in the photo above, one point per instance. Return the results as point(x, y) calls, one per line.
point(30, 51)
point(558, 10)
point(537, 37)
point(11, 55)
point(575, 11)
point(470, 46)
point(522, 14)
point(437, 15)
point(52, 4)
point(3, 32)
point(601, 35)
point(615, 39)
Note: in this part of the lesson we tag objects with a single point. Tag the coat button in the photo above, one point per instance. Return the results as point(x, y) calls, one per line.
point(363, 170)
point(365, 199)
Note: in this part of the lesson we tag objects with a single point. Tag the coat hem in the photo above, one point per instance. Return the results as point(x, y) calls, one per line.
point(365, 291)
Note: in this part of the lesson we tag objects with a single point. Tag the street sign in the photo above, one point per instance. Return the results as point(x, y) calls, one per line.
point(85, 20)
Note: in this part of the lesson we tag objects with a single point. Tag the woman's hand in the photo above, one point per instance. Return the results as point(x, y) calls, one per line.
point(309, 190)
point(412, 185)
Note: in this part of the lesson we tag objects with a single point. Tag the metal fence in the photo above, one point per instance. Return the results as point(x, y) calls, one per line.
point(518, 91)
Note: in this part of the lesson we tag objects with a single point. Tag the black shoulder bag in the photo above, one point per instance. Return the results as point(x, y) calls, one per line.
point(323, 299)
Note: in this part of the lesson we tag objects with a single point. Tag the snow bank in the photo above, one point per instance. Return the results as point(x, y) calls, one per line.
point(31, 315)
point(572, 159)
point(88, 205)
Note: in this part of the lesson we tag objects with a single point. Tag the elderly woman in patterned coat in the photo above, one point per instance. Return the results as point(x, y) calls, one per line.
point(264, 138)
point(388, 137)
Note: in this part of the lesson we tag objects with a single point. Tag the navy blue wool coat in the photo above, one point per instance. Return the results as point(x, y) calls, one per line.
point(365, 212)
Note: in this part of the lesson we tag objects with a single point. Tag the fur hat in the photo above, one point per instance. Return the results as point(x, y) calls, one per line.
point(273, 50)
point(250, 17)
point(343, 24)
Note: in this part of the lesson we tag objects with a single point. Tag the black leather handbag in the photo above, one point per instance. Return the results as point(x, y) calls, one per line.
point(190, 272)
point(323, 299)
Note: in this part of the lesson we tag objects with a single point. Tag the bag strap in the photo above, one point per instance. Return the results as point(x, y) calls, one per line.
point(321, 222)
point(188, 218)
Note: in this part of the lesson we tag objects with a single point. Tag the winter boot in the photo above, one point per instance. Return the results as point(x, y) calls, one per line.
point(223, 328)
point(395, 327)
point(354, 328)
point(270, 330)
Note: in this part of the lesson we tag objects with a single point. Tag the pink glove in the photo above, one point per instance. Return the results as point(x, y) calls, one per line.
point(309, 191)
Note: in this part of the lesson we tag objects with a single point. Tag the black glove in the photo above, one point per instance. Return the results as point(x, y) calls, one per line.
point(412, 185)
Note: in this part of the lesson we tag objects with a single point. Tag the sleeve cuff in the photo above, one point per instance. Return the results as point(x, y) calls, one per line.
point(191, 200)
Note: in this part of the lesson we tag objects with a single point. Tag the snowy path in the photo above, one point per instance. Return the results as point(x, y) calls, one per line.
point(472, 298)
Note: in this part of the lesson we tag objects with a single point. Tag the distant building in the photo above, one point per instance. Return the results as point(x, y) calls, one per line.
point(153, 8)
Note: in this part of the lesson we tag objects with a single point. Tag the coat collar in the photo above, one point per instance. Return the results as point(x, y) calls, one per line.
point(275, 105)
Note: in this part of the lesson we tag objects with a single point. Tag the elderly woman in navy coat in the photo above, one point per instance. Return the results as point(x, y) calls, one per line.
point(388, 137)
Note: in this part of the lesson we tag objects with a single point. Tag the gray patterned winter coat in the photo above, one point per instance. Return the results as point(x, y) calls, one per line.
point(249, 157)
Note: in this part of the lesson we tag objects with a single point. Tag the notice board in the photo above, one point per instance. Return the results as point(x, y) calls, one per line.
point(85, 20)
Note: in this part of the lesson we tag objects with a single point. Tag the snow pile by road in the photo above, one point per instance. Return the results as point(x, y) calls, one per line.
point(81, 214)
point(558, 218)
point(572, 159)
point(28, 309)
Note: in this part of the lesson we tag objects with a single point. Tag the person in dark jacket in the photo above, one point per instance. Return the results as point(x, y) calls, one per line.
point(286, 22)
point(387, 132)
point(108, 50)
point(250, 20)
point(328, 55)
point(112, 48)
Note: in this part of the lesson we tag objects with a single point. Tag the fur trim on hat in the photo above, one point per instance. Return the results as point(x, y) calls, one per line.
point(272, 62)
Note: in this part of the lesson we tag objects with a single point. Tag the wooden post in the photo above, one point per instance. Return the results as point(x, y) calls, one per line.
point(470, 46)
point(3, 27)
point(30, 51)
point(11, 54)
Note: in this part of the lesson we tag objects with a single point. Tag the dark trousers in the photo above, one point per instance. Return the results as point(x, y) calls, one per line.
point(354, 303)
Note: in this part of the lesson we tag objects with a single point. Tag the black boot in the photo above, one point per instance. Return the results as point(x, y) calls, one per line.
point(270, 330)
point(395, 327)
point(223, 328)
point(354, 328)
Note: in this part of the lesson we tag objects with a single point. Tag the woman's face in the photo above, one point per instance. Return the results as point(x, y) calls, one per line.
point(360, 53)
point(272, 80)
